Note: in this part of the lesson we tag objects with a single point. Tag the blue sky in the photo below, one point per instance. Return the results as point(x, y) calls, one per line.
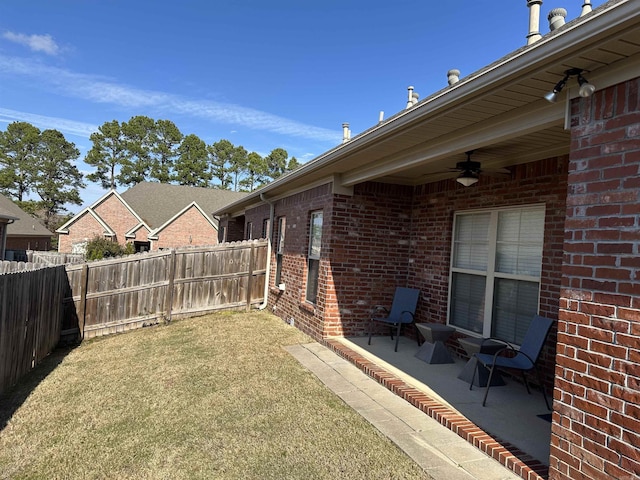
point(262, 74)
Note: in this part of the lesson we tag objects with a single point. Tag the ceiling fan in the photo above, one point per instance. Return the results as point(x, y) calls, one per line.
point(469, 171)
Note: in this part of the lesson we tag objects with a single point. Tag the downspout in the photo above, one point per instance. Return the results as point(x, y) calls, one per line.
point(267, 279)
point(3, 238)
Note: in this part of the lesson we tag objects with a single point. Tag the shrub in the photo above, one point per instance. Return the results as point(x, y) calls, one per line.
point(101, 247)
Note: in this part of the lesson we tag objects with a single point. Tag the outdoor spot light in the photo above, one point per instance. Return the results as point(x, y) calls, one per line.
point(467, 178)
point(586, 88)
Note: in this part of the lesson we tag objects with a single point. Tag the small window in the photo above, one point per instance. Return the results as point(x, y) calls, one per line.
point(248, 234)
point(266, 228)
point(315, 245)
point(282, 223)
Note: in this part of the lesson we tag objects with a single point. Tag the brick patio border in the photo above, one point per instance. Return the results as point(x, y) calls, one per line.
point(508, 455)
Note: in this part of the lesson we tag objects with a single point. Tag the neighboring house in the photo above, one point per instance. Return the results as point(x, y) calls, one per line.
point(149, 215)
point(559, 235)
point(21, 232)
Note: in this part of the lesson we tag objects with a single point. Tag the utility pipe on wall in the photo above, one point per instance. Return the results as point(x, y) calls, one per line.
point(265, 302)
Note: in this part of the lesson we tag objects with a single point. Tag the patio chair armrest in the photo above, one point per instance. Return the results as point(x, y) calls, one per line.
point(379, 312)
point(403, 314)
point(495, 339)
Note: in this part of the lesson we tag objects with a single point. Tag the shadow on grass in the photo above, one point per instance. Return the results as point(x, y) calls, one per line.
point(15, 396)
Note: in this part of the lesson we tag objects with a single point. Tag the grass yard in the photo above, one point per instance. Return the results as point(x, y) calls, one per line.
point(210, 397)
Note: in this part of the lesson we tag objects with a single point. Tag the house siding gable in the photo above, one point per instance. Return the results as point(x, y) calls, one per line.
point(190, 228)
point(83, 229)
point(115, 214)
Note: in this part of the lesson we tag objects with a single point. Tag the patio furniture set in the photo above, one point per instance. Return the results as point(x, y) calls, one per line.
point(486, 355)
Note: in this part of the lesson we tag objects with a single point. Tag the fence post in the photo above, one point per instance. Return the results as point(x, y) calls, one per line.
point(250, 279)
point(84, 280)
point(169, 295)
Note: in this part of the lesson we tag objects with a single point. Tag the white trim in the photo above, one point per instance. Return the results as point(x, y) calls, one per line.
point(108, 231)
point(91, 208)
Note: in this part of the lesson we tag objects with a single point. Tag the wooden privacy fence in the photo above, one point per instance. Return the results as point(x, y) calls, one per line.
point(54, 258)
point(30, 319)
point(116, 295)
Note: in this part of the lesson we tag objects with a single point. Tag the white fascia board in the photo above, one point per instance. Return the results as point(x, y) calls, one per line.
point(554, 47)
point(108, 231)
point(132, 233)
point(91, 209)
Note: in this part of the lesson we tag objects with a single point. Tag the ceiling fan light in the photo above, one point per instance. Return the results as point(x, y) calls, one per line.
point(467, 179)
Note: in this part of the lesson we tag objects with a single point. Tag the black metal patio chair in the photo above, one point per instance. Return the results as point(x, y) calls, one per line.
point(402, 312)
point(523, 359)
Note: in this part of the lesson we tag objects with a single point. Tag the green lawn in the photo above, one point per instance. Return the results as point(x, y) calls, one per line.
point(209, 397)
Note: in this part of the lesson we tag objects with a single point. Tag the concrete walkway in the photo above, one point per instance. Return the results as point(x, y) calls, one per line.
point(441, 453)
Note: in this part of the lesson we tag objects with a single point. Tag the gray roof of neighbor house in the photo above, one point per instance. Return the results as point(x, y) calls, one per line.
point(25, 225)
point(156, 203)
point(499, 112)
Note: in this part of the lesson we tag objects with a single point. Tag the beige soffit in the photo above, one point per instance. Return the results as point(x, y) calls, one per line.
point(550, 53)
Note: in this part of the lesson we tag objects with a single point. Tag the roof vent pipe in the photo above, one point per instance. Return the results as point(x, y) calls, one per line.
point(346, 133)
point(556, 18)
point(586, 8)
point(453, 76)
point(534, 21)
point(381, 117)
point(413, 97)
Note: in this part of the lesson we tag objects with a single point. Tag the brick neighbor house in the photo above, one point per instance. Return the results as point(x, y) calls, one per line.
point(20, 232)
point(151, 216)
point(558, 235)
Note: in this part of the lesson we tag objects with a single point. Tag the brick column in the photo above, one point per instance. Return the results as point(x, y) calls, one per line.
point(596, 422)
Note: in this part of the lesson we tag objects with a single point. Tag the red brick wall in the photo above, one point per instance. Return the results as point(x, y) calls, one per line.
point(189, 229)
point(596, 428)
point(290, 305)
point(83, 229)
point(434, 207)
point(28, 243)
point(119, 218)
point(374, 241)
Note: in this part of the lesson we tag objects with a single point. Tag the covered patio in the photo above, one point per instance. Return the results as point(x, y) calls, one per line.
point(514, 427)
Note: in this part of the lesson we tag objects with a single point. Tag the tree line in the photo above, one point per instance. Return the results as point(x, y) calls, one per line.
point(124, 154)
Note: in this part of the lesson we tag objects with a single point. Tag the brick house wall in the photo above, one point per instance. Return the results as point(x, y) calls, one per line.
point(112, 211)
point(290, 305)
point(189, 229)
point(117, 216)
point(392, 235)
point(28, 243)
point(596, 424)
point(432, 219)
point(83, 229)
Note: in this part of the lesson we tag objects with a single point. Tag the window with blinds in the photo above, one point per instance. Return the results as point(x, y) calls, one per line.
point(496, 265)
point(315, 245)
point(282, 224)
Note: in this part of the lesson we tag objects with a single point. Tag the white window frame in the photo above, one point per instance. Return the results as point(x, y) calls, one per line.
point(282, 225)
point(490, 274)
point(313, 255)
point(249, 231)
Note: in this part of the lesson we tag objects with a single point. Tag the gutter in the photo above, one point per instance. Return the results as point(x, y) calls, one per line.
point(265, 302)
point(554, 47)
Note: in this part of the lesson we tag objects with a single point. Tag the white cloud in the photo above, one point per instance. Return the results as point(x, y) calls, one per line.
point(43, 122)
point(100, 90)
point(37, 43)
